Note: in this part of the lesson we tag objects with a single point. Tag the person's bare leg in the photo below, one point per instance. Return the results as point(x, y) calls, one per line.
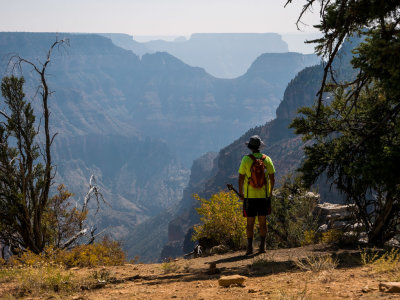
point(262, 221)
point(250, 233)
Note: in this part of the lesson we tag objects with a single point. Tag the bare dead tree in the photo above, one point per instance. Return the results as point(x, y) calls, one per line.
point(82, 229)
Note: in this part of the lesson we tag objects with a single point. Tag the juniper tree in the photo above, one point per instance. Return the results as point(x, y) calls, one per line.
point(23, 182)
point(356, 137)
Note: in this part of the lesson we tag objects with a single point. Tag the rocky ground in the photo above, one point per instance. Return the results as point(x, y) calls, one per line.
point(273, 275)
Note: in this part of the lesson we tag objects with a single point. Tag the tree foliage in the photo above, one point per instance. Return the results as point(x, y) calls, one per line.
point(22, 179)
point(377, 20)
point(355, 132)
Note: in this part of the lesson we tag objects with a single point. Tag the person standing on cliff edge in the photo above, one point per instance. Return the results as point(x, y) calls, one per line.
point(256, 182)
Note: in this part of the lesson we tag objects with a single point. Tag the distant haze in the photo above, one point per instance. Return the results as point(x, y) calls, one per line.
point(154, 17)
point(295, 40)
point(223, 55)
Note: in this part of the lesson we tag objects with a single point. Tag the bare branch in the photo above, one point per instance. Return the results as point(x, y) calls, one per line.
point(94, 236)
point(326, 70)
point(4, 115)
point(15, 158)
point(52, 138)
point(94, 191)
point(74, 238)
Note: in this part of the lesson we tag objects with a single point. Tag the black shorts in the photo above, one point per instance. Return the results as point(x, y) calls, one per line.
point(253, 207)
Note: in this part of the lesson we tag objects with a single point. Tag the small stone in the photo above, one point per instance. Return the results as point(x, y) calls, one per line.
point(323, 228)
point(230, 280)
point(252, 291)
point(366, 289)
point(389, 287)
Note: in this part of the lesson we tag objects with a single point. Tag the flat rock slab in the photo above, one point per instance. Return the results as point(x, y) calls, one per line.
point(231, 280)
point(389, 287)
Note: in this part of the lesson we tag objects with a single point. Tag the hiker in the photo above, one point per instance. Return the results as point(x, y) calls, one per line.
point(256, 182)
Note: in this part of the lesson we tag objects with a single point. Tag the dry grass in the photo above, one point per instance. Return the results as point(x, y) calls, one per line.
point(39, 279)
point(387, 263)
point(301, 295)
point(316, 263)
point(262, 261)
point(103, 253)
point(51, 280)
point(169, 266)
point(49, 273)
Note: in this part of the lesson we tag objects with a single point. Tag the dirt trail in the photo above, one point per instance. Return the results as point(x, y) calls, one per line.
point(269, 276)
point(272, 275)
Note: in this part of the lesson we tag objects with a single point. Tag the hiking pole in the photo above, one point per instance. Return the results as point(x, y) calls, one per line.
point(231, 188)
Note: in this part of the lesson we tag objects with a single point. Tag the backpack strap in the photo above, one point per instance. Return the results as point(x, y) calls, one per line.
point(263, 157)
point(252, 157)
point(266, 179)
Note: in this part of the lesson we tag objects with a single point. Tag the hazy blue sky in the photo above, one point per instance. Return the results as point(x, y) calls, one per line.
point(152, 17)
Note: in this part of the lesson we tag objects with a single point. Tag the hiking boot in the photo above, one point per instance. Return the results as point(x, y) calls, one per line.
point(249, 250)
point(262, 245)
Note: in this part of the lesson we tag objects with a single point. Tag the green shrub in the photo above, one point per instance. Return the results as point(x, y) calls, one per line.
point(292, 221)
point(221, 220)
point(331, 236)
point(310, 237)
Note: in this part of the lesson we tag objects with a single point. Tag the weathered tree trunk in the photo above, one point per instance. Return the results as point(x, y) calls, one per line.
point(377, 234)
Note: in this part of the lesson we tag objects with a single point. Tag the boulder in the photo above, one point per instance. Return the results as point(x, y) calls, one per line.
point(220, 249)
point(339, 225)
point(389, 287)
point(231, 280)
point(325, 209)
point(338, 217)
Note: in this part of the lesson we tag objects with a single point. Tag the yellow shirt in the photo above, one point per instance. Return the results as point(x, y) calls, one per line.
point(244, 169)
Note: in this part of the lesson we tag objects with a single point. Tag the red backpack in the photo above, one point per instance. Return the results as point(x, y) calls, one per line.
point(257, 178)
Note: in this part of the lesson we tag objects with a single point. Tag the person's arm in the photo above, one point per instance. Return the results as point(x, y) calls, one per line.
point(240, 184)
point(272, 182)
